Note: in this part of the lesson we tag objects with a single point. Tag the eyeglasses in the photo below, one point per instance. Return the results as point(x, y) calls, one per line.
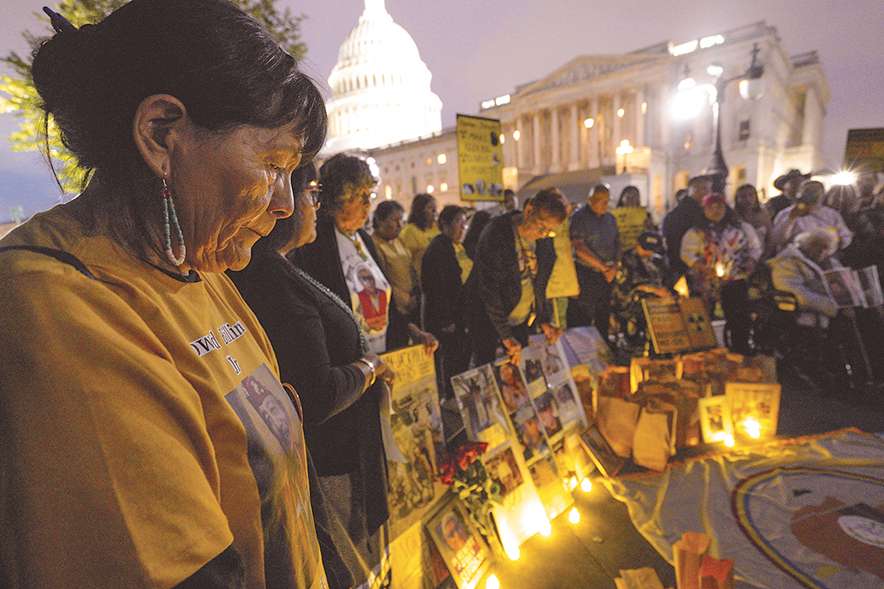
point(364, 195)
point(313, 191)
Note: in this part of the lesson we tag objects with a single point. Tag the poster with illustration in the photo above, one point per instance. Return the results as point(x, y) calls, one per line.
point(480, 407)
point(416, 424)
point(462, 548)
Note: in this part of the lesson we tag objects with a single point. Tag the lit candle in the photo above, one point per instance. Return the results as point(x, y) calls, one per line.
point(752, 427)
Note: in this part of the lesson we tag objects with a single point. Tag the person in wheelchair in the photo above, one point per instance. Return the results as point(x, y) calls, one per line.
point(798, 269)
point(641, 275)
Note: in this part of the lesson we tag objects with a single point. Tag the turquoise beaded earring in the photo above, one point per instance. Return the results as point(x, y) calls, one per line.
point(169, 213)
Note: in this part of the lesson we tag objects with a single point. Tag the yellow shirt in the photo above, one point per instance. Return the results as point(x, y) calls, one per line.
point(147, 426)
point(416, 241)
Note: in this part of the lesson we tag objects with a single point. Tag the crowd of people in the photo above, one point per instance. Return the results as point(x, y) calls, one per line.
point(193, 384)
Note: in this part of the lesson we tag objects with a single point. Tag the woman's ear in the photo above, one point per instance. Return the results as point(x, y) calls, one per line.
point(160, 124)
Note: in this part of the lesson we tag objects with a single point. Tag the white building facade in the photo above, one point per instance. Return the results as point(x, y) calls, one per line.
point(569, 128)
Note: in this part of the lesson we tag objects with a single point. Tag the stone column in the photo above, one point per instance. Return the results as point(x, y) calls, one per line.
point(593, 151)
point(520, 159)
point(555, 163)
point(639, 118)
point(536, 164)
point(617, 126)
point(574, 128)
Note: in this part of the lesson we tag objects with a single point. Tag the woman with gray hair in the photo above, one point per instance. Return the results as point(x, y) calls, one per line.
point(799, 268)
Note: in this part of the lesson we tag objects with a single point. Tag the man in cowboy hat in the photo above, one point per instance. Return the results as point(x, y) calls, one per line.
point(788, 185)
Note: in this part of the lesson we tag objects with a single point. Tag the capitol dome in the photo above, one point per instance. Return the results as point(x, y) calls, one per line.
point(380, 87)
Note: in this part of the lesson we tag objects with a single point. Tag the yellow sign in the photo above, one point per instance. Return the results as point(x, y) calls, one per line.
point(409, 364)
point(479, 158)
point(631, 223)
point(563, 281)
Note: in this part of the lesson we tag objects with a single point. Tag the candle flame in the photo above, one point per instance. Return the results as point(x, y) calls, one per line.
point(751, 426)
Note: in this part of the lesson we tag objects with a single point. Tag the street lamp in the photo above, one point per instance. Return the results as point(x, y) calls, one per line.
point(751, 87)
point(690, 95)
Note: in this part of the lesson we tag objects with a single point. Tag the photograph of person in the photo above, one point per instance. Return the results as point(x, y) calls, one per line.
point(480, 406)
point(552, 362)
point(529, 433)
point(509, 379)
point(503, 468)
point(372, 299)
point(568, 408)
point(715, 419)
point(548, 412)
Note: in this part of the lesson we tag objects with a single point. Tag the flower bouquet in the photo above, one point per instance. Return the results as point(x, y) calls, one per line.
point(465, 473)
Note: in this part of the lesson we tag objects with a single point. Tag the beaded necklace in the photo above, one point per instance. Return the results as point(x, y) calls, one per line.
point(356, 243)
point(337, 300)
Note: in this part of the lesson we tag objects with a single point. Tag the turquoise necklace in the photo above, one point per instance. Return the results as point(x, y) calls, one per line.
point(325, 290)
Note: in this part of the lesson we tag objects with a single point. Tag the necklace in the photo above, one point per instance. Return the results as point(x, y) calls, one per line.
point(357, 244)
point(337, 300)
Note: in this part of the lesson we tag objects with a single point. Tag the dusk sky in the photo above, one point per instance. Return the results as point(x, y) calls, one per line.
point(480, 49)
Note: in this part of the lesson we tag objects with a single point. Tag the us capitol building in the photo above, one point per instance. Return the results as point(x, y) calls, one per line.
point(608, 118)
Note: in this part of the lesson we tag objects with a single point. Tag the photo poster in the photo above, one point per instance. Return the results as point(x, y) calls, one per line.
point(630, 223)
point(530, 434)
point(538, 428)
point(752, 401)
point(416, 423)
point(480, 407)
point(559, 380)
point(479, 158)
point(585, 345)
point(715, 419)
point(870, 284)
point(460, 544)
point(842, 288)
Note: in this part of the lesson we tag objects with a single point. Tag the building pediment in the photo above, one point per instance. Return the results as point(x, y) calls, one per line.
point(587, 67)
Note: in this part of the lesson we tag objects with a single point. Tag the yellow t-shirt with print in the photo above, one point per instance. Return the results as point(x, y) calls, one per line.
point(144, 425)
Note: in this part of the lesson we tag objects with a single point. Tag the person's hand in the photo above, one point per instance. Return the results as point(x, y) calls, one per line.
point(429, 341)
point(513, 349)
point(381, 370)
point(552, 332)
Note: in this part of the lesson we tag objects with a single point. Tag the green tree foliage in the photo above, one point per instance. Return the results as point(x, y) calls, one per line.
point(21, 98)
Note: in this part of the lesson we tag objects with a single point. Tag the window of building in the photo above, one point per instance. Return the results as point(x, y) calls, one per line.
point(744, 130)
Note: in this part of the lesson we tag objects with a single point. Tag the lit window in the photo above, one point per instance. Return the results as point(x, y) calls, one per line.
point(588, 123)
point(502, 139)
point(388, 192)
point(620, 113)
point(443, 187)
point(516, 134)
point(430, 189)
point(644, 108)
point(441, 158)
point(429, 161)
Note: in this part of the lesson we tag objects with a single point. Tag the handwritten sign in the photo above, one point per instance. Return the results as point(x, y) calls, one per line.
point(479, 158)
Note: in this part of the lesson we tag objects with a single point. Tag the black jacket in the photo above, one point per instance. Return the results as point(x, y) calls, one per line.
point(495, 286)
point(441, 285)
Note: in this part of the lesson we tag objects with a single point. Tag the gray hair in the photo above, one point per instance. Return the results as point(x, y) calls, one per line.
point(819, 235)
